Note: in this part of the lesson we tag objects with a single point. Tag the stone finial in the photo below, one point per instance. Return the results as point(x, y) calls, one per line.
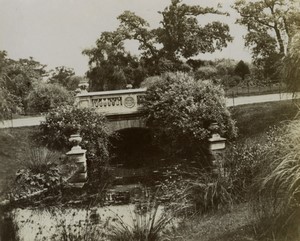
point(78, 155)
point(83, 86)
point(217, 147)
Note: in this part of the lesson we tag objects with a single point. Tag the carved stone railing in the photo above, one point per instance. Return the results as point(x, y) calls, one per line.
point(112, 102)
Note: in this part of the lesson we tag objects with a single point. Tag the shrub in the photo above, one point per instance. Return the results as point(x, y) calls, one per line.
point(64, 121)
point(180, 110)
point(206, 72)
point(44, 97)
point(242, 163)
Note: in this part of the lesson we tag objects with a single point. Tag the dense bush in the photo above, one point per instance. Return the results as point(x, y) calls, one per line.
point(44, 97)
point(64, 121)
point(181, 110)
point(206, 72)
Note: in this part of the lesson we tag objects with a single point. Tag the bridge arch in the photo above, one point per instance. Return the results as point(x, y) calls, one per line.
point(134, 147)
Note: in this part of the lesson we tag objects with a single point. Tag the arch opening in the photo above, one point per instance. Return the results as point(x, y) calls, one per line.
point(134, 148)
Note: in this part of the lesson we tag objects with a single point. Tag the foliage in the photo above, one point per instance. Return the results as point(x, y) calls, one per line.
point(199, 190)
point(244, 159)
point(17, 79)
point(206, 73)
point(111, 66)
point(40, 170)
point(278, 196)
point(292, 65)
point(271, 24)
point(180, 111)
point(163, 49)
point(44, 97)
point(150, 221)
point(9, 104)
point(65, 77)
point(241, 69)
point(64, 121)
point(38, 159)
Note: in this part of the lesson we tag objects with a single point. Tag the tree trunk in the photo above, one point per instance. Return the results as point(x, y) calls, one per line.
point(279, 39)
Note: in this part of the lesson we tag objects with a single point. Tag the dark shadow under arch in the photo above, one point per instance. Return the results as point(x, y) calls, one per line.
point(134, 148)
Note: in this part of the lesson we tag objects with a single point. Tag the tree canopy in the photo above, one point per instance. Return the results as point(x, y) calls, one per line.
point(242, 69)
point(271, 25)
point(292, 64)
point(166, 48)
point(17, 78)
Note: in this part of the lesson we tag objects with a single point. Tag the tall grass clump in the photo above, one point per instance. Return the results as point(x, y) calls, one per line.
point(149, 222)
point(39, 159)
point(278, 199)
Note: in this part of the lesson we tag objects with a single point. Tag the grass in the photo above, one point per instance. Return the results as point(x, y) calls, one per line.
point(254, 119)
point(230, 226)
point(278, 203)
point(13, 144)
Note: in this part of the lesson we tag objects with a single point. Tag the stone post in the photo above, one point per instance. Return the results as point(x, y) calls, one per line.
point(217, 147)
point(77, 154)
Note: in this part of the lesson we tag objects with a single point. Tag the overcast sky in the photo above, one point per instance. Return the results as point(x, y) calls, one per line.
point(55, 32)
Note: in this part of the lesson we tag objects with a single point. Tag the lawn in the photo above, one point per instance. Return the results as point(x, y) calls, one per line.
point(254, 119)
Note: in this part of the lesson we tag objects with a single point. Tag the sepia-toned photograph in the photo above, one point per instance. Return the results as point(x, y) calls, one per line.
point(161, 120)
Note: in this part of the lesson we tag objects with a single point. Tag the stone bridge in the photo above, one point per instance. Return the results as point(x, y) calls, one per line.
point(121, 107)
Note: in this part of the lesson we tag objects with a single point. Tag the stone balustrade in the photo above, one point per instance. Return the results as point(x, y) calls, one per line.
point(113, 102)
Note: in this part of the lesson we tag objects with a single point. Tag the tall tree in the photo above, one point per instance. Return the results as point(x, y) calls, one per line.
point(111, 66)
point(292, 64)
point(242, 69)
point(179, 37)
point(17, 78)
point(270, 24)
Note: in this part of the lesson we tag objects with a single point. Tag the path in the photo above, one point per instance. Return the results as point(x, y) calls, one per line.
point(241, 100)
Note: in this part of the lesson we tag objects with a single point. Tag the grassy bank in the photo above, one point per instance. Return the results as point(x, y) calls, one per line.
point(254, 119)
point(13, 143)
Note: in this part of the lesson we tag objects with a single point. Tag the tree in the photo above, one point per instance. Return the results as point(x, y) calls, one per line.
point(17, 78)
point(62, 76)
point(163, 49)
point(111, 66)
point(180, 111)
point(241, 69)
point(44, 97)
point(270, 24)
point(292, 65)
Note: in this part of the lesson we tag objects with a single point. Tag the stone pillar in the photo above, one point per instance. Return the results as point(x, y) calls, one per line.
point(77, 154)
point(217, 147)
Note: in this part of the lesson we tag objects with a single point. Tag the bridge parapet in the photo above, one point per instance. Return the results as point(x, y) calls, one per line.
point(113, 102)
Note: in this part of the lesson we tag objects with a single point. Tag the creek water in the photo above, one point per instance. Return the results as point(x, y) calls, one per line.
point(44, 224)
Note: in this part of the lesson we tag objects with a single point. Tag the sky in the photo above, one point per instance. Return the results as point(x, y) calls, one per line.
point(55, 32)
